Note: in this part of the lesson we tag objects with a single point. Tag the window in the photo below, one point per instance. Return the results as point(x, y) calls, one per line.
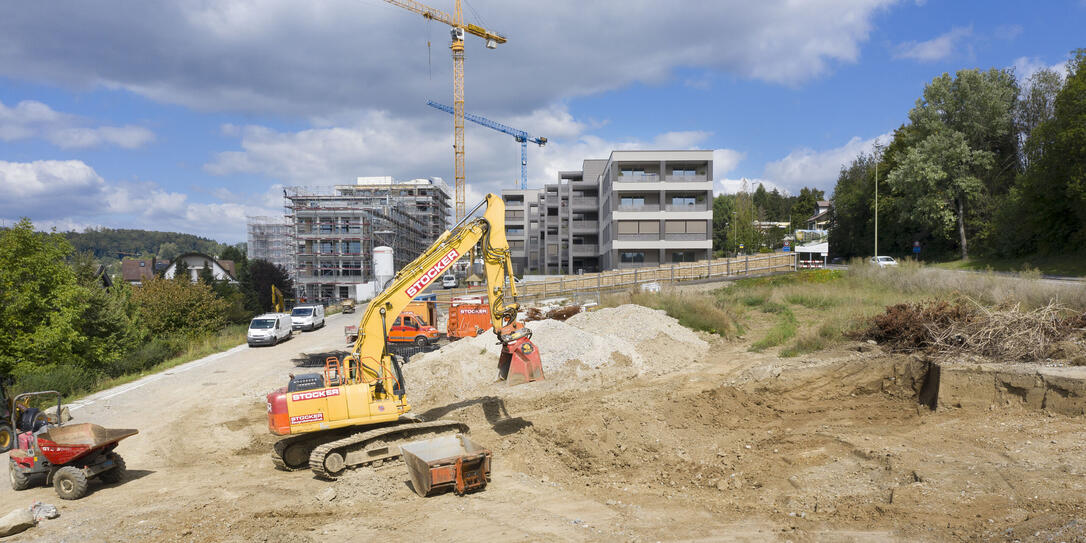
point(684, 256)
point(685, 227)
point(632, 258)
point(688, 201)
point(143, 264)
point(638, 227)
point(684, 172)
point(632, 172)
point(630, 201)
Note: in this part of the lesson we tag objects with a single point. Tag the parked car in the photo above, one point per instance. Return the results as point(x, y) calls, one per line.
point(449, 281)
point(269, 329)
point(883, 261)
point(307, 317)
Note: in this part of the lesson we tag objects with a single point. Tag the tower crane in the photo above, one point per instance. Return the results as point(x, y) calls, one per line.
point(459, 27)
point(519, 135)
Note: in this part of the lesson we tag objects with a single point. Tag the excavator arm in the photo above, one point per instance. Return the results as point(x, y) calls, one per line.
point(519, 361)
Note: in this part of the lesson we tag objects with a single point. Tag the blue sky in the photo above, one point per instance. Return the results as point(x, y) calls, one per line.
point(189, 116)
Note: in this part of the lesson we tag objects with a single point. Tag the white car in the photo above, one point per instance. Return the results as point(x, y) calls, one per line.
point(449, 281)
point(307, 317)
point(269, 329)
point(883, 261)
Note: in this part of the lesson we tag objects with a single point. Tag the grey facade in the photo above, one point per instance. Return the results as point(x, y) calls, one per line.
point(635, 208)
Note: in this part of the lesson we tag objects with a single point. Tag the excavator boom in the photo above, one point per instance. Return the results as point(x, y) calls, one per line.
point(325, 413)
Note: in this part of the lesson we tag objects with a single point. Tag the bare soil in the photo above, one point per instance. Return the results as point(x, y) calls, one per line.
point(732, 445)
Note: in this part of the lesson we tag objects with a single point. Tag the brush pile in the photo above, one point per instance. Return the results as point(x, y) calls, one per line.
point(1005, 333)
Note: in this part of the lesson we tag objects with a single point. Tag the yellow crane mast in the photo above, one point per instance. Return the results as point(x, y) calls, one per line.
point(456, 21)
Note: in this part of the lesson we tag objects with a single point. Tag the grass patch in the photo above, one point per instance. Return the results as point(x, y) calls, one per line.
point(710, 314)
point(800, 277)
point(157, 355)
point(810, 300)
point(1069, 265)
point(782, 331)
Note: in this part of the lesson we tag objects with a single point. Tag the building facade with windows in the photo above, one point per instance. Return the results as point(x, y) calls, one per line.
point(633, 209)
point(332, 231)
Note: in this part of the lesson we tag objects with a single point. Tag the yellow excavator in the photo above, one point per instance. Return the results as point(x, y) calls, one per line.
point(277, 299)
point(356, 412)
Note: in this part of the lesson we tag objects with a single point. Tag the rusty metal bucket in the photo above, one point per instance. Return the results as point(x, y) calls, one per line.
point(447, 462)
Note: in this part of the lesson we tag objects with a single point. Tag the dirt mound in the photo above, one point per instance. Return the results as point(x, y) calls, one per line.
point(596, 347)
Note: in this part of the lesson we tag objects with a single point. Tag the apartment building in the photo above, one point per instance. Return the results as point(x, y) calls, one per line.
point(332, 231)
point(633, 209)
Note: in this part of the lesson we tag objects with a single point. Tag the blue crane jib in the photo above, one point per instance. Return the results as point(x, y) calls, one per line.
point(519, 135)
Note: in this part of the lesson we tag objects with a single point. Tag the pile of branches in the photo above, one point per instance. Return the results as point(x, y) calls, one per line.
point(558, 313)
point(1004, 333)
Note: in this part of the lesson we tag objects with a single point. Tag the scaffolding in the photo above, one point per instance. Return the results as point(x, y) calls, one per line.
point(333, 231)
point(268, 240)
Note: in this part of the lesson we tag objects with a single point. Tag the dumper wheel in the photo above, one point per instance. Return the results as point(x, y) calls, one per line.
point(116, 474)
point(70, 483)
point(7, 438)
point(19, 480)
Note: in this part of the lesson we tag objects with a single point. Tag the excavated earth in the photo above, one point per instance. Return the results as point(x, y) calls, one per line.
point(643, 431)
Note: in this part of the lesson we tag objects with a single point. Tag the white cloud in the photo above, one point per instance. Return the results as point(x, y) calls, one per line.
point(69, 194)
point(937, 48)
point(33, 119)
point(725, 160)
point(377, 144)
point(284, 57)
point(1025, 67)
point(819, 169)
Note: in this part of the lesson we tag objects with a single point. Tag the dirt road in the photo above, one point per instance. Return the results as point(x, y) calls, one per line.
point(733, 446)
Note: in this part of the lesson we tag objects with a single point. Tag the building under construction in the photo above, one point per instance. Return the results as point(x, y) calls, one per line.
point(268, 239)
point(332, 230)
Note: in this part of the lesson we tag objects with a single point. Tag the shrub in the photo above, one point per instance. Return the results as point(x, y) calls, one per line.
point(178, 307)
point(65, 379)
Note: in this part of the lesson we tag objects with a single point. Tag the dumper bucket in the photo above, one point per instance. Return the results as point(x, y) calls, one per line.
point(438, 464)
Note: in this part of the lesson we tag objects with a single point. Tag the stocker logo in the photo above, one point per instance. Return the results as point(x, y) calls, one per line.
point(302, 419)
point(314, 394)
point(432, 273)
point(474, 311)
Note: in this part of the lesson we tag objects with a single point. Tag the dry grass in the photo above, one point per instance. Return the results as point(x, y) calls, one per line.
point(711, 314)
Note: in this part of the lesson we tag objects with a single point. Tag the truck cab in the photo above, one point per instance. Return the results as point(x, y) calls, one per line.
point(412, 328)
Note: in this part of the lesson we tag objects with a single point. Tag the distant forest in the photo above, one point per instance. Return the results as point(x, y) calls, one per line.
point(115, 243)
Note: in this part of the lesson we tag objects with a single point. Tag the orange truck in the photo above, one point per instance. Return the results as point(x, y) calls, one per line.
point(468, 317)
point(411, 326)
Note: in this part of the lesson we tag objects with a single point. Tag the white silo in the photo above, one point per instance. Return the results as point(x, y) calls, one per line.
point(383, 267)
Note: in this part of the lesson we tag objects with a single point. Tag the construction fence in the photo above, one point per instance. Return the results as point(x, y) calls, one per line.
point(593, 285)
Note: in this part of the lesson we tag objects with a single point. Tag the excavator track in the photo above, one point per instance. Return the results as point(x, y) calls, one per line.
point(331, 459)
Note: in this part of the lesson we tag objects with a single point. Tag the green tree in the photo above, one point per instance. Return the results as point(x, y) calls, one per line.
point(258, 281)
point(205, 275)
point(168, 251)
point(723, 205)
point(179, 307)
point(1037, 105)
point(1049, 209)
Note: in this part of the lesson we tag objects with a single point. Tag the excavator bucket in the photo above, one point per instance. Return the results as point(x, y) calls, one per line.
point(438, 464)
point(520, 362)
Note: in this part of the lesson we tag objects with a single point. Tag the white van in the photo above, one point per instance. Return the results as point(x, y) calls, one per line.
point(307, 317)
point(449, 281)
point(269, 329)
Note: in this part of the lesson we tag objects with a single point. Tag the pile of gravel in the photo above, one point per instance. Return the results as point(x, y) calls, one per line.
point(615, 342)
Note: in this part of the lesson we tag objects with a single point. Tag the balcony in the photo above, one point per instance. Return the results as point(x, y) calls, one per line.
point(683, 207)
point(637, 237)
point(642, 207)
point(686, 237)
point(586, 202)
point(583, 226)
point(586, 249)
point(642, 178)
point(686, 178)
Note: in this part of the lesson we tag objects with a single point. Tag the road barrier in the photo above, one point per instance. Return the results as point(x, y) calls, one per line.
point(594, 284)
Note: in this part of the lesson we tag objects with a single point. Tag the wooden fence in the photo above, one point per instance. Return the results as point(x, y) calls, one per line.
point(594, 284)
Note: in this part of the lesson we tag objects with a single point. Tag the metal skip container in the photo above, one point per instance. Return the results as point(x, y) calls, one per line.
point(447, 462)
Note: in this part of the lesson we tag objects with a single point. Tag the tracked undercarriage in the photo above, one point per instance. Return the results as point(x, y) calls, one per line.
point(332, 452)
